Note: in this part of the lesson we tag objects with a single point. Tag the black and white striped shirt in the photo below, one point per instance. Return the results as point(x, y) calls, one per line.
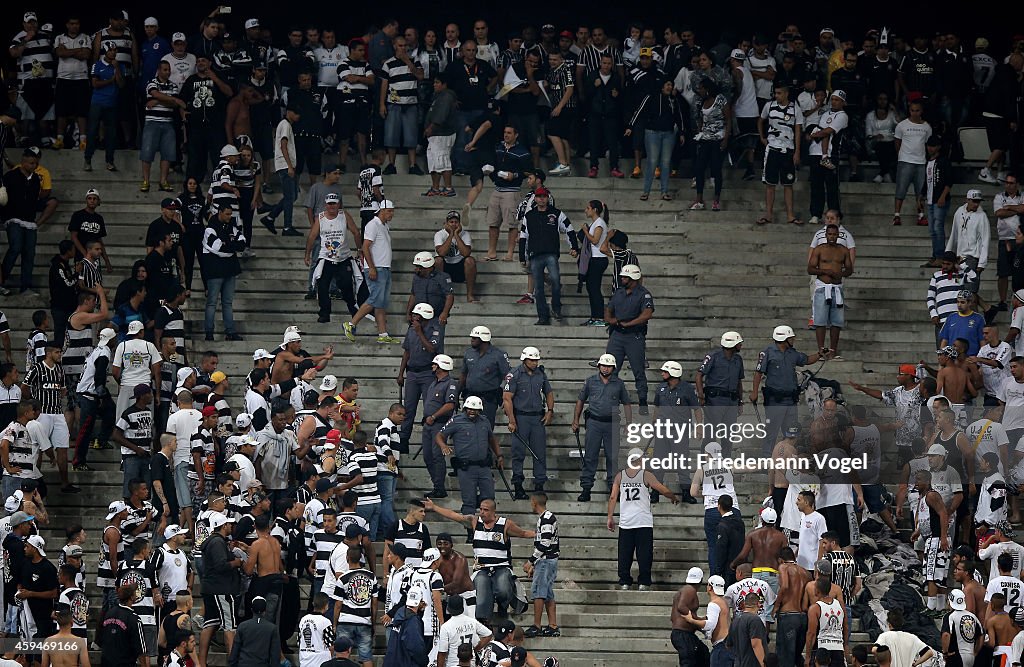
point(346, 519)
point(48, 386)
point(402, 82)
point(590, 58)
point(351, 92)
point(137, 426)
point(323, 544)
point(161, 112)
point(387, 439)
point(136, 517)
point(35, 346)
point(558, 81)
point(365, 462)
point(491, 546)
point(124, 47)
point(37, 61)
point(245, 176)
point(92, 274)
point(844, 571)
point(508, 57)
point(545, 544)
point(140, 573)
point(172, 322)
point(22, 451)
point(223, 177)
point(415, 538)
point(356, 590)
point(77, 347)
point(104, 575)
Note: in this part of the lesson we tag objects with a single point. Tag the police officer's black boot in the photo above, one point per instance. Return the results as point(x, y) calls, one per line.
point(520, 492)
point(584, 497)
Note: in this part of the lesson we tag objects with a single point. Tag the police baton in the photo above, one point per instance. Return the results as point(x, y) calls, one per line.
point(579, 446)
point(525, 444)
point(757, 411)
point(504, 480)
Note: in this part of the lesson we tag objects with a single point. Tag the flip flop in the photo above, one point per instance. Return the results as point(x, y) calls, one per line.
point(796, 221)
point(763, 221)
point(490, 259)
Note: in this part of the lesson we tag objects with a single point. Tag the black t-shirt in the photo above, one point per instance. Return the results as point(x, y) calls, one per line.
point(746, 626)
point(159, 279)
point(14, 554)
point(40, 577)
point(470, 83)
point(193, 213)
point(162, 470)
point(204, 103)
point(170, 625)
point(160, 228)
point(340, 662)
point(90, 226)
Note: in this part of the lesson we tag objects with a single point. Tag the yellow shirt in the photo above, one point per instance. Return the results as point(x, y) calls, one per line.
point(44, 177)
point(350, 420)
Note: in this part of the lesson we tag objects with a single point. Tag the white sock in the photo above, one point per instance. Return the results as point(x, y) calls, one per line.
point(940, 602)
point(931, 602)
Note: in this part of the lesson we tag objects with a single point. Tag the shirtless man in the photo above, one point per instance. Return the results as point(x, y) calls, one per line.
point(790, 608)
point(79, 656)
point(265, 566)
point(454, 571)
point(952, 380)
point(973, 591)
point(237, 121)
point(778, 485)
point(692, 652)
point(830, 263)
point(765, 543)
point(288, 355)
point(971, 367)
point(717, 622)
point(1000, 630)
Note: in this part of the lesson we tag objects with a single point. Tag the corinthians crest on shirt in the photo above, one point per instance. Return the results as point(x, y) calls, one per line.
point(360, 589)
point(79, 610)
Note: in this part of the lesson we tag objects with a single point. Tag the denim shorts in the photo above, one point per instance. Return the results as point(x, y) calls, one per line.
point(380, 289)
point(181, 488)
point(158, 137)
point(827, 314)
point(545, 571)
point(361, 637)
point(400, 129)
point(908, 174)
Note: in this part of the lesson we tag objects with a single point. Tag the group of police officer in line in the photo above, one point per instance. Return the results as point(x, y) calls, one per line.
point(527, 399)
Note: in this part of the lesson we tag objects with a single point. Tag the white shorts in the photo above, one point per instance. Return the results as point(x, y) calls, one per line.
point(439, 153)
point(56, 427)
point(935, 562)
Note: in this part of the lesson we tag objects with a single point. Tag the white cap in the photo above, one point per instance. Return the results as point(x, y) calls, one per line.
point(414, 597)
point(717, 584)
point(291, 337)
point(135, 327)
point(228, 151)
point(731, 339)
point(178, 37)
point(737, 54)
point(634, 455)
point(473, 403)
point(329, 383)
point(108, 334)
point(29, 16)
point(185, 373)
point(252, 23)
point(385, 203)
point(712, 449)
point(673, 369)
point(424, 259)
point(243, 420)
point(39, 543)
point(261, 353)
point(92, 192)
point(695, 575)
point(769, 515)
point(249, 441)
point(115, 508)
point(957, 600)
point(974, 194)
point(483, 333)
point(430, 555)
point(424, 310)
point(937, 450)
point(14, 502)
point(443, 361)
point(174, 529)
point(151, 20)
point(530, 353)
point(782, 333)
point(631, 271)
point(218, 519)
point(607, 360)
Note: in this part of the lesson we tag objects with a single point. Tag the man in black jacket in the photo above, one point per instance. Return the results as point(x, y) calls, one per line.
point(220, 582)
point(63, 282)
point(257, 643)
point(23, 186)
point(544, 225)
point(120, 637)
point(604, 118)
point(729, 541)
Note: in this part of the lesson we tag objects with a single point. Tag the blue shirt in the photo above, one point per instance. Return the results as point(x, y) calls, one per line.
point(104, 71)
point(968, 327)
point(151, 53)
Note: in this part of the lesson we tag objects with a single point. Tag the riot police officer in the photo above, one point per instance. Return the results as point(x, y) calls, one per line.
point(475, 449)
point(439, 403)
point(529, 404)
point(604, 393)
point(627, 314)
point(430, 286)
point(676, 401)
point(720, 388)
point(776, 366)
point(484, 368)
point(423, 341)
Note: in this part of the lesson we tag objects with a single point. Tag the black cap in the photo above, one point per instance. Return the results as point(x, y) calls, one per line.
point(232, 465)
point(311, 397)
point(505, 628)
point(518, 656)
point(171, 203)
point(324, 484)
point(396, 548)
point(354, 530)
point(342, 644)
point(259, 604)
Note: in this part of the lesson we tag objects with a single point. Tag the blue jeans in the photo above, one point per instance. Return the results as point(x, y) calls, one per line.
point(659, 144)
point(721, 656)
point(20, 242)
point(135, 467)
point(91, 409)
point(538, 263)
point(937, 227)
point(493, 585)
point(461, 160)
point(108, 116)
point(289, 193)
point(224, 289)
point(386, 487)
point(370, 512)
point(712, 517)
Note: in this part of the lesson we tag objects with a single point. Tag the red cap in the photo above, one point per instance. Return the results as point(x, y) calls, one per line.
point(334, 435)
point(565, 33)
point(541, 192)
point(908, 369)
point(209, 410)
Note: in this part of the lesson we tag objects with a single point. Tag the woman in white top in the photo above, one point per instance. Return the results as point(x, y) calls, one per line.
point(880, 126)
point(593, 263)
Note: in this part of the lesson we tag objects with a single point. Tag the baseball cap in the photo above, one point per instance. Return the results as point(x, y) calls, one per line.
point(695, 575)
point(1005, 528)
point(135, 327)
point(565, 33)
point(385, 203)
point(957, 600)
point(974, 194)
point(354, 530)
point(430, 555)
point(541, 192)
point(769, 515)
point(713, 449)
point(717, 584)
point(252, 23)
point(243, 420)
point(32, 151)
point(151, 20)
point(646, 51)
point(934, 140)
point(415, 595)
point(981, 43)
point(113, 509)
point(738, 54)
point(332, 198)
point(231, 466)
point(826, 30)
point(631, 271)
point(21, 517)
point(75, 550)
point(39, 543)
point(937, 450)
point(29, 16)
point(841, 94)
point(329, 383)
point(170, 203)
point(547, 27)
point(174, 529)
point(141, 390)
point(453, 215)
point(291, 336)
point(908, 369)
point(217, 377)
point(178, 37)
point(324, 484)
point(218, 519)
point(342, 644)
point(92, 192)
point(261, 353)
point(209, 410)
point(14, 502)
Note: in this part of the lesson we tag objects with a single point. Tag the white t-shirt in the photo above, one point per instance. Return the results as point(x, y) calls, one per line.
point(73, 69)
point(992, 552)
point(134, 357)
point(316, 639)
point(755, 63)
point(1017, 322)
point(836, 121)
point(598, 223)
point(904, 647)
point(379, 236)
point(283, 131)
point(458, 630)
point(1012, 394)
point(812, 527)
point(181, 68)
point(183, 424)
point(990, 440)
point(453, 256)
point(913, 136)
point(1006, 228)
point(992, 376)
point(246, 469)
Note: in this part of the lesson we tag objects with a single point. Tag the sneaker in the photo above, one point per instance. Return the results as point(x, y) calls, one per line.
point(370, 317)
point(209, 336)
point(542, 323)
point(87, 166)
point(1002, 307)
point(58, 143)
point(4, 291)
point(323, 320)
point(349, 330)
point(144, 187)
point(716, 206)
point(896, 219)
point(557, 314)
point(674, 173)
point(623, 587)
point(877, 179)
point(525, 299)
point(587, 323)
point(309, 296)
point(31, 293)
point(390, 170)
point(697, 206)
point(291, 231)
point(268, 222)
point(748, 175)
point(644, 410)
point(598, 323)
point(415, 170)
point(583, 497)
point(166, 187)
point(70, 488)
point(855, 177)
point(448, 192)
point(432, 192)
point(642, 587)
point(617, 173)
point(922, 221)
point(551, 632)
point(887, 179)
point(814, 220)
point(111, 166)
point(560, 170)
point(986, 177)
point(437, 493)
point(590, 174)
point(531, 632)
point(385, 339)
point(636, 173)
point(266, 189)
point(247, 253)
